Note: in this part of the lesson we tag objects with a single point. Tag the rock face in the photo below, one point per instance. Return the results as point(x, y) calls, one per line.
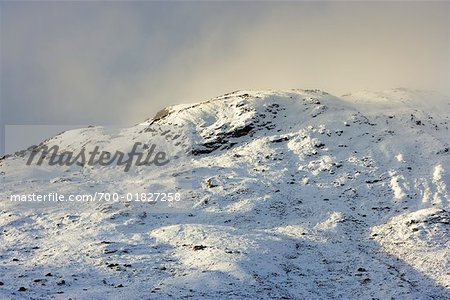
point(284, 195)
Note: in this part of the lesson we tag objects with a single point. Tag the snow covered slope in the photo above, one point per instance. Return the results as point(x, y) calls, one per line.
point(285, 195)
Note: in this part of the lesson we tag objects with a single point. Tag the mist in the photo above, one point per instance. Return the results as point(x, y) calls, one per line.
point(119, 63)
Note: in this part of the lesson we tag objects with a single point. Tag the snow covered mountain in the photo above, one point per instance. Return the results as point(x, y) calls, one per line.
point(285, 195)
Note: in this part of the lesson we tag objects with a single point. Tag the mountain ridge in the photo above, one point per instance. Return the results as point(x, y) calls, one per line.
point(286, 194)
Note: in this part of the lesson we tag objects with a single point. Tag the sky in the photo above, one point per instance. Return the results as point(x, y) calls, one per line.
point(118, 63)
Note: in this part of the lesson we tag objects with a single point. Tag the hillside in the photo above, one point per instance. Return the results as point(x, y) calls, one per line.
point(284, 195)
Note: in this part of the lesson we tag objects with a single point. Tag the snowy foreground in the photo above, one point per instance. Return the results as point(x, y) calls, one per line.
point(286, 195)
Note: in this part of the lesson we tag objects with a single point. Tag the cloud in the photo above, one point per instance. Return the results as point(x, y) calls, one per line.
point(342, 47)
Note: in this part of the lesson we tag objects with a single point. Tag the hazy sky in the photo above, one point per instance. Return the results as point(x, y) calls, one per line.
point(120, 62)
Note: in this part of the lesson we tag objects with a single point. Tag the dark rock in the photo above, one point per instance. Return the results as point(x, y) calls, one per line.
point(445, 150)
point(199, 247)
point(361, 270)
point(241, 131)
point(280, 140)
point(373, 181)
point(112, 265)
point(62, 282)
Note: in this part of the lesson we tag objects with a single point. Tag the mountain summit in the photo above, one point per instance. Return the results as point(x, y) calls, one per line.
point(293, 194)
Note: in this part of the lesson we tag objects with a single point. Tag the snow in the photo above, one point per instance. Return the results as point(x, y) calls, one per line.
point(293, 194)
point(399, 194)
point(426, 231)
